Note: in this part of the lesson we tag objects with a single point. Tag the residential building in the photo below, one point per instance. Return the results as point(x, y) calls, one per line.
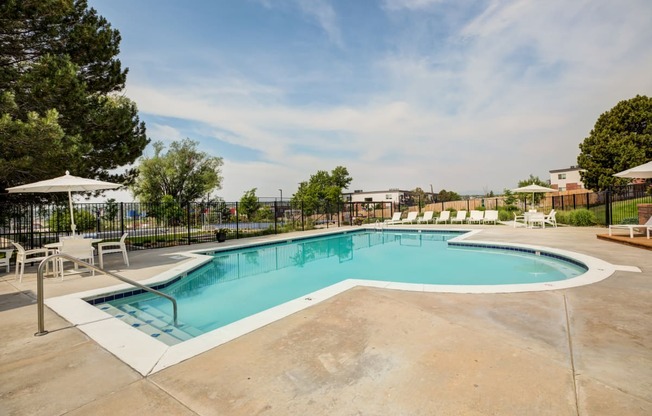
point(567, 179)
point(394, 195)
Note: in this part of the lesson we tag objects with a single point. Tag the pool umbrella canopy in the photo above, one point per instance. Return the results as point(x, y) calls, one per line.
point(534, 188)
point(641, 171)
point(65, 183)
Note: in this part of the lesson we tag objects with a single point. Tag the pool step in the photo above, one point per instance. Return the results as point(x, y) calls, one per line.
point(152, 322)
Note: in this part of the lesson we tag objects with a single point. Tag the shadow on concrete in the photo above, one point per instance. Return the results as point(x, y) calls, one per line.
point(17, 300)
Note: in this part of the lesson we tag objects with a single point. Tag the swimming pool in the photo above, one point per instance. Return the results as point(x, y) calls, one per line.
point(240, 283)
point(148, 355)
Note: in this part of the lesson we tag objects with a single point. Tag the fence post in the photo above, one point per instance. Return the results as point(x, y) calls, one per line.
point(122, 218)
point(302, 224)
point(188, 220)
point(340, 206)
point(588, 205)
point(237, 221)
point(607, 207)
point(31, 225)
point(328, 213)
point(275, 216)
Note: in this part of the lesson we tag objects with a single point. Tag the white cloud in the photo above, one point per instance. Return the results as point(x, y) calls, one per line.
point(322, 11)
point(512, 91)
point(164, 133)
point(409, 4)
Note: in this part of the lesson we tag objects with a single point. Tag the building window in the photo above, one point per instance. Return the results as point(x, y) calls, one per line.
point(368, 200)
point(388, 196)
point(561, 176)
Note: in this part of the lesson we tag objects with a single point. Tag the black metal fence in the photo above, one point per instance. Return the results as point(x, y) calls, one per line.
point(166, 224)
point(617, 205)
point(152, 225)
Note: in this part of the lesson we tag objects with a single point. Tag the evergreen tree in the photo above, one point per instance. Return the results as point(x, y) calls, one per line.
point(59, 68)
point(620, 139)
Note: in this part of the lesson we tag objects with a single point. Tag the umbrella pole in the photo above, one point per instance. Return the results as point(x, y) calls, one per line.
point(73, 227)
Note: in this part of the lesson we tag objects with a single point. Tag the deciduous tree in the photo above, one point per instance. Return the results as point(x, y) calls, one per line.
point(183, 172)
point(323, 189)
point(445, 196)
point(249, 204)
point(527, 196)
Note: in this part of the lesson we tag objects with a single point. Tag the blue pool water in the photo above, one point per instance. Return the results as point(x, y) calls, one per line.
point(240, 283)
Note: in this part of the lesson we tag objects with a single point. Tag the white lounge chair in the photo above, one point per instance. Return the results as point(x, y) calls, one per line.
point(461, 217)
point(113, 247)
point(444, 217)
point(476, 216)
point(411, 217)
point(551, 218)
point(427, 217)
point(490, 215)
point(631, 227)
point(396, 218)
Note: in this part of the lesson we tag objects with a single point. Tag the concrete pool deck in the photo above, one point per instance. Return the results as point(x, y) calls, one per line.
point(584, 350)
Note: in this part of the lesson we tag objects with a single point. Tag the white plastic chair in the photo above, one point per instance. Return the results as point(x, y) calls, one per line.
point(27, 256)
point(461, 217)
point(520, 220)
point(631, 227)
point(113, 247)
point(4, 261)
point(476, 216)
point(411, 217)
point(427, 217)
point(444, 217)
point(536, 218)
point(551, 218)
point(80, 248)
point(396, 218)
point(490, 215)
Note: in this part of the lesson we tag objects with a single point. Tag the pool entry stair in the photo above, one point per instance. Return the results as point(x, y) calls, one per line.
point(40, 297)
point(153, 322)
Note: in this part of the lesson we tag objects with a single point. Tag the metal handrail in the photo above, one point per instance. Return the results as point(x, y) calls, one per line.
point(40, 295)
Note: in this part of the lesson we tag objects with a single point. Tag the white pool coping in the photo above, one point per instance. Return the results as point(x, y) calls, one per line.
point(147, 355)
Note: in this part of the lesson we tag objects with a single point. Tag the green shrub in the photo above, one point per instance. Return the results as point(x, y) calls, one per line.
point(582, 218)
point(60, 220)
point(505, 215)
point(563, 217)
point(630, 220)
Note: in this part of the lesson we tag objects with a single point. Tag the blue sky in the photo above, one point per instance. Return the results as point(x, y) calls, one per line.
point(469, 96)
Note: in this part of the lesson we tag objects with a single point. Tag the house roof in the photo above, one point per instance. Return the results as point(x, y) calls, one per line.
point(571, 169)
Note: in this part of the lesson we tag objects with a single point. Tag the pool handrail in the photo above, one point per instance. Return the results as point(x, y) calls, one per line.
point(40, 295)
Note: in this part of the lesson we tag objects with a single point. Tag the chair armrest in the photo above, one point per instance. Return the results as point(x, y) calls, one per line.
point(109, 244)
point(42, 250)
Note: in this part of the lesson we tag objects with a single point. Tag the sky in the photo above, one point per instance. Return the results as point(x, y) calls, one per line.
point(469, 96)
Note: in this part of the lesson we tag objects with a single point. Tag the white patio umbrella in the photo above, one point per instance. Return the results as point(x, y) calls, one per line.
point(640, 171)
point(534, 188)
point(65, 183)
